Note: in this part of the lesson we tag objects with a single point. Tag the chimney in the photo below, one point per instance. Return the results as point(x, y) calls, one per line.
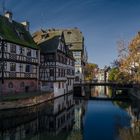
point(26, 25)
point(8, 15)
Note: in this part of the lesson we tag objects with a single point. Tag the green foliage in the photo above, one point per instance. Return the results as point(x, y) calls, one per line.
point(118, 76)
point(113, 74)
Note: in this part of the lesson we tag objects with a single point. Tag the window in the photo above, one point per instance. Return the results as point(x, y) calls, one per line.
point(12, 66)
point(21, 50)
point(77, 78)
point(3, 66)
point(78, 61)
point(42, 58)
point(10, 85)
point(51, 72)
point(21, 67)
point(28, 68)
point(65, 60)
point(77, 54)
point(62, 85)
point(59, 72)
point(72, 72)
point(64, 73)
point(59, 85)
point(50, 58)
point(28, 52)
point(13, 48)
point(36, 54)
point(5, 48)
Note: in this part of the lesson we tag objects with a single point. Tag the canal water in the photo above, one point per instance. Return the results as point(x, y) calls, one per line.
point(69, 118)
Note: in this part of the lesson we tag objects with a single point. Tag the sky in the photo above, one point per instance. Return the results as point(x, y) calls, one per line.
point(102, 22)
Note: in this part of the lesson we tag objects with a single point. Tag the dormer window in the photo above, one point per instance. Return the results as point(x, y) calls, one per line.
point(8, 15)
point(20, 34)
point(13, 48)
point(69, 32)
point(44, 36)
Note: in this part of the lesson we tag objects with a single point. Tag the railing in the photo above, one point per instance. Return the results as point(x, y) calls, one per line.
point(19, 75)
point(18, 57)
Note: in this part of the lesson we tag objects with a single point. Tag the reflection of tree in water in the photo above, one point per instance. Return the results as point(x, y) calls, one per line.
point(123, 105)
point(132, 133)
point(121, 121)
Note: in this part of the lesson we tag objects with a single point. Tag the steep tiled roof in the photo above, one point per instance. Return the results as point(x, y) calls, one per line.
point(15, 32)
point(74, 38)
point(47, 41)
point(49, 45)
point(42, 35)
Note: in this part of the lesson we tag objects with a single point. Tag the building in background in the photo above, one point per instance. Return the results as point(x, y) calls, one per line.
point(19, 57)
point(75, 41)
point(56, 62)
point(103, 74)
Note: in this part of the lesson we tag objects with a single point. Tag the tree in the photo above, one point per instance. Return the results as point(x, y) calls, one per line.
point(129, 58)
point(113, 74)
point(90, 71)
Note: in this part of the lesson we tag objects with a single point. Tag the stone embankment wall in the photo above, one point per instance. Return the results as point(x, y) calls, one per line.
point(20, 103)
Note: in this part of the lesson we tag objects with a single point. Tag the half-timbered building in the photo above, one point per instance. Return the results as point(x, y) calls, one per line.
point(75, 41)
point(56, 62)
point(19, 57)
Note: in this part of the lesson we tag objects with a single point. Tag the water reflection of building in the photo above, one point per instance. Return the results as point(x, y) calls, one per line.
point(80, 108)
point(51, 118)
point(99, 91)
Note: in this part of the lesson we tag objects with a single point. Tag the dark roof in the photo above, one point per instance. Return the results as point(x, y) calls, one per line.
point(15, 32)
point(73, 37)
point(50, 41)
point(50, 45)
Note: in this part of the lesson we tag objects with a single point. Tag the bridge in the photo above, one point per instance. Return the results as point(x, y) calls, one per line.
point(103, 83)
point(116, 87)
